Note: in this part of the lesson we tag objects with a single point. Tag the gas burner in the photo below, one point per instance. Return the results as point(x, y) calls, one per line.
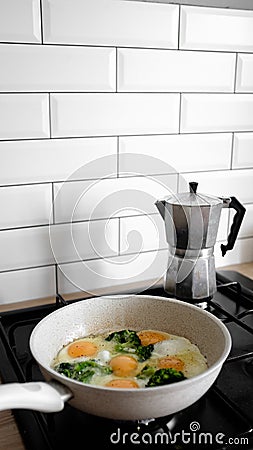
point(203, 305)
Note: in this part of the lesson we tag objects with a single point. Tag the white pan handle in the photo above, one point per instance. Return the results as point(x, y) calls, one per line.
point(39, 396)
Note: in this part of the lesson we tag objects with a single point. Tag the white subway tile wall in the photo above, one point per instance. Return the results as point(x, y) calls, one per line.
point(224, 183)
point(84, 240)
point(104, 108)
point(27, 205)
point(142, 233)
point(244, 79)
point(174, 153)
point(120, 197)
point(110, 114)
point(144, 269)
point(217, 112)
point(246, 229)
point(25, 247)
point(243, 249)
point(44, 160)
point(24, 116)
point(109, 22)
point(18, 285)
point(20, 21)
point(216, 29)
point(47, 68)
point(243, 154)
point(175, 71)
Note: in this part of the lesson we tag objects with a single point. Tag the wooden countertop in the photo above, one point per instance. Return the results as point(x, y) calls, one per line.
point(10, 438)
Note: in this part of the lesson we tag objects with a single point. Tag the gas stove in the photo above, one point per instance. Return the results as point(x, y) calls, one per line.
point(221, 420)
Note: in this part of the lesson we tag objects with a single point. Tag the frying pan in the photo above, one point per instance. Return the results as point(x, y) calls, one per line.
point(109, 313)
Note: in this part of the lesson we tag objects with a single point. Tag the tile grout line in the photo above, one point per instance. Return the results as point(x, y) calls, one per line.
point(56, 279)
point(116, 68)
point(41, 22)
point(117, 161)
point(180, 113)
point(107, 136)
point(232, 150)
point(179, 27)
point(53, 205)
point(28, 183)
point(49, 115)
point(235, 74)
point(59, 224)
point(67, 92)
point(20, 269)
point(135, 47)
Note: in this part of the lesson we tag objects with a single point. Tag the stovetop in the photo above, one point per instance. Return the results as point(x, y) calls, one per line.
point(221, 420)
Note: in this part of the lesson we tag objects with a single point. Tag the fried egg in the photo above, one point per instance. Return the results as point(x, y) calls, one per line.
point(124, 365)
point(90, 347)
point(122, 383)
point(170, 351)
point(180, 354)
point(82, 348)
point(152, 336)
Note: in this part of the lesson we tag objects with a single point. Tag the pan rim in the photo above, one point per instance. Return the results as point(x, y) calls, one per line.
point(215, 366)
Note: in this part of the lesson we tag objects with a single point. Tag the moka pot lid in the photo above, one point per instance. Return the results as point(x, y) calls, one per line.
point(192, 198)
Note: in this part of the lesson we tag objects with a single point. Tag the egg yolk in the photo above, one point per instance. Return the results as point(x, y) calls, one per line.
point(123, 366)
point(122, 384)
point(170, 362)
point(82, 348)
point(151, 337)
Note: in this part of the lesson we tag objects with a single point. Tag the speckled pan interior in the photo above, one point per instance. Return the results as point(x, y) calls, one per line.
point(130, 311)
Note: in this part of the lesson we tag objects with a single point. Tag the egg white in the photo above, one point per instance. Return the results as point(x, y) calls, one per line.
point(171, 346)
point(181, 348)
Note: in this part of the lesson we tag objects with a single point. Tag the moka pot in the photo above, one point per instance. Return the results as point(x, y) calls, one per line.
point(191, 224)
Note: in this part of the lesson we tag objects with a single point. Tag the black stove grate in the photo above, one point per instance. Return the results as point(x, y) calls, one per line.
point(225, 412)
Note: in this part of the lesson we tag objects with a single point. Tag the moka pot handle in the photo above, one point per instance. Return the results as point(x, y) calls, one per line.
point(235, 227)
